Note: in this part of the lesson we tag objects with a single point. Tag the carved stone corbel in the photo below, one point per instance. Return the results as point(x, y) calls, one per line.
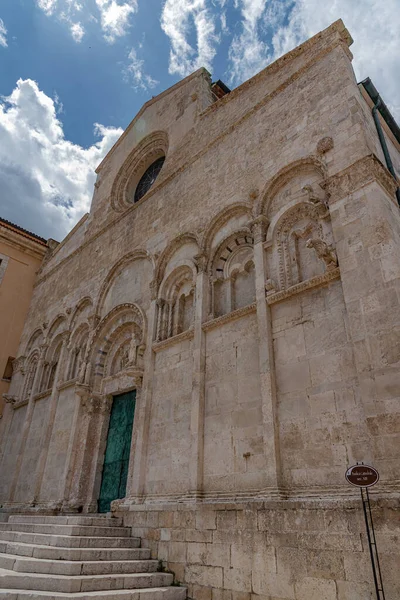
point(270, 287)
point(9, 399)
point(324, 252)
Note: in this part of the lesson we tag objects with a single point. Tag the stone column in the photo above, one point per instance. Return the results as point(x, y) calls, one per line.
point(266, 361)
point(160, 306)
point(198, 381)
point(141, 424)
point(48, 426)
point(28, 420)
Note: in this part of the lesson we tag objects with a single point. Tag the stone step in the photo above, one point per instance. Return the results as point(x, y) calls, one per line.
point(82, 583)
point(63, 567)
point(94, 521)
point(168, 593)
point(71, 554)
point(56, 529)
point(66, 541)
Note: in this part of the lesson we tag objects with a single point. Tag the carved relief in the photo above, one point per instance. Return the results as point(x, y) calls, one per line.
point(325, 252)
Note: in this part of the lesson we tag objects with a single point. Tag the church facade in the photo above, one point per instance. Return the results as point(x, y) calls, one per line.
point(218, 340)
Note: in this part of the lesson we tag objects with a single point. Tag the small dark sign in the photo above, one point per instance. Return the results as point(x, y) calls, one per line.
point(362, 476)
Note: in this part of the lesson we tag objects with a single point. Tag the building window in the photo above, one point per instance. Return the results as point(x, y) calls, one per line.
point(148, 178)
point(8, 371)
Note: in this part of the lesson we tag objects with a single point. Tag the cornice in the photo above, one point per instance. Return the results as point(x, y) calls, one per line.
point(232, 316)
point(314, 282)
point(22, 243)
point(358, 175)
point(175, 339)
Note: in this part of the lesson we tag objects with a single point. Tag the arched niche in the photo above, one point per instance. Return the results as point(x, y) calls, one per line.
point(30, 373)
point(226, 221)
point(118, 343)
point(176, 301)
point(77, 351)
point(232, 273)
point(50, 366)
point(127, 282)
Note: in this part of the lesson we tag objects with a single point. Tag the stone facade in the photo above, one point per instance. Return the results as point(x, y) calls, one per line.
point(251, 298)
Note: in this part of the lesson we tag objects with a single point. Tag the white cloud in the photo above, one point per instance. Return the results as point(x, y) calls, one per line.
point(48, 6)
point(134, 72)
point(46, 180)
point(177, 19)
point(115, 18)
point(248, 53)
point(77, 32)
point(373, 24)
point(3, 34)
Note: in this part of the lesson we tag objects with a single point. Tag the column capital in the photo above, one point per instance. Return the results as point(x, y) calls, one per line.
point(200, 260)
point(258, 227)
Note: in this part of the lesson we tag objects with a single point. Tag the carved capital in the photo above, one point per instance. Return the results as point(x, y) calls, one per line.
point(160, 302)
point(93, 321)
point(258, 228)
point(82, 390)
point(43, 350)
point(153, 289)
point(200, 260)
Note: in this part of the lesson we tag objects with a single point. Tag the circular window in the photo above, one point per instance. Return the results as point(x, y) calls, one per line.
point(148, 178)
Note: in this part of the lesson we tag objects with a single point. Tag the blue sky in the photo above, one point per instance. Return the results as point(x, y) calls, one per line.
point(73, 74)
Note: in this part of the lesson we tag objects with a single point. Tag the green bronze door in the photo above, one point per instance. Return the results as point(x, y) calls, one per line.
point(116, 458)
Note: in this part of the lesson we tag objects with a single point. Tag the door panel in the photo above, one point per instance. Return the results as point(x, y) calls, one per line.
point(116, 458)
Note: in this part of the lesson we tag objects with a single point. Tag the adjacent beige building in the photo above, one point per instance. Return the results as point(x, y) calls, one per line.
point(219, 338)
point(21, 254)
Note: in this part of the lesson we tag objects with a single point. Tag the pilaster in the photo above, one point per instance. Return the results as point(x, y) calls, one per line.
point(266, 361)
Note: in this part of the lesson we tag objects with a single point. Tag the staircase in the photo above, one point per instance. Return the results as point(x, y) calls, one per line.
point(57, 558)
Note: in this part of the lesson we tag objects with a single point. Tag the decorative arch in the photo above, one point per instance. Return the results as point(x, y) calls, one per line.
point(51, 361)
point(283, 176)
point(122, 334)
point(290, 232)
point(147, 150)
point(115, 271)
point(232, 273)
point(82, 304)
point(55, 325)
point(34, 341)
point(169, 251)
point(219, 220)
point(77, 351)
point(176, 301)
point(30, 373)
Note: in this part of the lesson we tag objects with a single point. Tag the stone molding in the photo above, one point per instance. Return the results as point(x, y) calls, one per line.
point(358, 175)
point(169, 251)
point(232, 316)
point(175, 339)
point(9, 399)
point(314, 282)
point(66, 384)
point(151, 147)
point(20, 404)
point(42, 395)
point(258, 228)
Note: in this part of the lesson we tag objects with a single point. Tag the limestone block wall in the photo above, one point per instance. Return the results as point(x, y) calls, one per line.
point(293, 551)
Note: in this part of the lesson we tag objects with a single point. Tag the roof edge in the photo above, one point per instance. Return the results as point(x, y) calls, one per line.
point(23, 232)
point(177, 85)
